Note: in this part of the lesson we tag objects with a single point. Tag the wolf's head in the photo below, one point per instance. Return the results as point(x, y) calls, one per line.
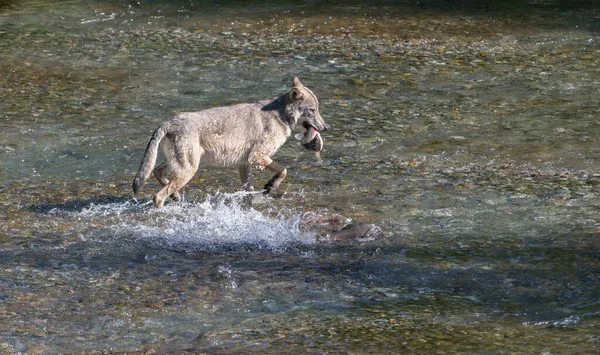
point(303, 106)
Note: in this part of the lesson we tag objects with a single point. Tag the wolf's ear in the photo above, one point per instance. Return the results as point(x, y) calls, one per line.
point(297, 82)
point(295, 95)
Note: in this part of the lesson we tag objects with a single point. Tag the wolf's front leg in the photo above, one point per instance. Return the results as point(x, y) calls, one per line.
point(246, 177)
point(280, 171)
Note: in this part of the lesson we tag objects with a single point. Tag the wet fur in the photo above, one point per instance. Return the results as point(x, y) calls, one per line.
point(242, 135)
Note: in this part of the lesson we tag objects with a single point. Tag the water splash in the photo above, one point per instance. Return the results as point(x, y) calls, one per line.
point(571, 320)
point(104, 18)
point(221, 220)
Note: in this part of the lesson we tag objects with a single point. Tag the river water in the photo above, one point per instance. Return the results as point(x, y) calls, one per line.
point(467, 131)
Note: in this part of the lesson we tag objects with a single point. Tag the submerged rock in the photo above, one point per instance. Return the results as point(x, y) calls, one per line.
point(357, 231)
point(336, 227)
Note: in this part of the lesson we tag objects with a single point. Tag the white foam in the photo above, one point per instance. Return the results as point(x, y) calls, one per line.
point(221, 220)
point(561, 322)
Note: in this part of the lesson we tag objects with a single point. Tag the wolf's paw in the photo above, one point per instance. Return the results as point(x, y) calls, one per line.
point(272, 193)
point(268, 187)
point(158, 203)
point(272, 184)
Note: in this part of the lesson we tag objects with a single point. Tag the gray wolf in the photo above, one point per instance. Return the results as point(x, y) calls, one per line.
point(241, 136)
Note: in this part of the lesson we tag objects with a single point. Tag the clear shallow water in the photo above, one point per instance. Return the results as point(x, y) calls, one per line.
point(468, 134)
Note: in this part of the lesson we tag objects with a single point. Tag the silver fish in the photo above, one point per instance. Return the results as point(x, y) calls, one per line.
point(311, 140)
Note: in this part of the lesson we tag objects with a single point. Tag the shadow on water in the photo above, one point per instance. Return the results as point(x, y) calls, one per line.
point(510, 8)
point(464, 5)
point(78, 205)
point(515, 10)
point(7, 4)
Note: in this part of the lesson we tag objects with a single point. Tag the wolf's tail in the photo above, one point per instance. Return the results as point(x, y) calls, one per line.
point(148, 160)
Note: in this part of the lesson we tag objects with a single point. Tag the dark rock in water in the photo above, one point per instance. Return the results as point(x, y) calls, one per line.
point(317, 218)
point(332, 226)
point(356, 231)
point(323, 223)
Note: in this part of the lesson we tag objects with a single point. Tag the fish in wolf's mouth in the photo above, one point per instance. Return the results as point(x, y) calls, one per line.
point(311, 140)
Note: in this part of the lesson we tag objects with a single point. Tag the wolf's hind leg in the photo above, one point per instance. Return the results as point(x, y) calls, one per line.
point(160, 173)
point(182, 171)
point(183, 177)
